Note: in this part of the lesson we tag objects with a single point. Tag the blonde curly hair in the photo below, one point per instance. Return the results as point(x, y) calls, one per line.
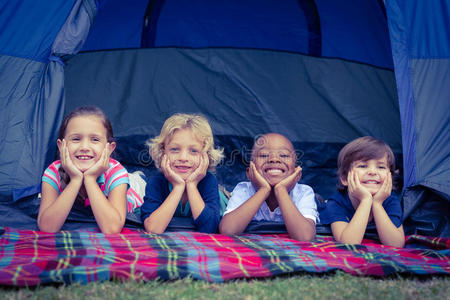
point(199, 126)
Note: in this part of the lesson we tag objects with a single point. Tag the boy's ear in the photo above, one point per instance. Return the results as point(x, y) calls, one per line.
point(343, 181)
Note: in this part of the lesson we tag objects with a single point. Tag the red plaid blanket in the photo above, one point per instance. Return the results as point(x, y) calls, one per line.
point(29, 258)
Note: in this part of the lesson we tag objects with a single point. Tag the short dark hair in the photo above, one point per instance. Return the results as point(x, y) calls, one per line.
point(363, 148)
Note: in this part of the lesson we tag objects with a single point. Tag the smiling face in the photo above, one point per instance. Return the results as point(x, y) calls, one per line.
point(274, 157)
point(85, 139)
point(371, 173)
point(184, 150)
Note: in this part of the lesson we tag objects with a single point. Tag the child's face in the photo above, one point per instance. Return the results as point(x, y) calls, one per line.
point(371, 173)
point(86, 139)
point(184, 150)
point(274, 158)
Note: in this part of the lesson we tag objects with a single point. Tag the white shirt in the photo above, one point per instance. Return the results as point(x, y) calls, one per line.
point(302, 195)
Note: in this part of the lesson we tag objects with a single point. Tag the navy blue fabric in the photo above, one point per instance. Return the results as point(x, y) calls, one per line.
point(225, 23)
point(339, 208)
point(355, 31)
point(313, 22)
point(28, 27)
point(428, 26)
point(73, 34)
point(31, 109)
point(244, 92)
point(421, 51)
point(157, 190)
point(33, 98)
point(151, 23)
point(431, 89)
point(118, 25)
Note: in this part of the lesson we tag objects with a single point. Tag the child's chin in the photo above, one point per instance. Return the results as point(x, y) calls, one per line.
point(273, 182)
point(184, 176)
point(83, 168)
point(373, 192)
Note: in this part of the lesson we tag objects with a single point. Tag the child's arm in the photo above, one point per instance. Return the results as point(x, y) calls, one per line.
point(209, 218)
point(110, 213)
point(353, 232)
point(298, 227)
point(388, 233)
point(159, 219)
point(237, 220)
point(195, 199)
point(55, 207)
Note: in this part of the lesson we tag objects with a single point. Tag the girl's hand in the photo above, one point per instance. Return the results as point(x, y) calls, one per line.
point(201, 170)
point(356, 191)
point(289, 182)
point(101, 166)
point(385, 190)
point(67, 164)
point(170, 175)
point(256, 178)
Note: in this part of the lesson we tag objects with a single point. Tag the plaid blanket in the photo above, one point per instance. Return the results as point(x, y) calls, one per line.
point(29, 258)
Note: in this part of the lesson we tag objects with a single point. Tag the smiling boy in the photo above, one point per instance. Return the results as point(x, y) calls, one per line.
point(365, 168)
point(272, 192)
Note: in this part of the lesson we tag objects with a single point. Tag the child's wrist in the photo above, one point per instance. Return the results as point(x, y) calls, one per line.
point(191, 184)
point(366, 199)
point(178, 185)
point(377, 204)
point(264, 189)
point(77, 180)
point(279, 188)
point(89, 179)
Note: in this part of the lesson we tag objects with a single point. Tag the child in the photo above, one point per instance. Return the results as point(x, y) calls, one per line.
point(273, 193)
point(365, 168)
point(86, 174)
point(183, 152)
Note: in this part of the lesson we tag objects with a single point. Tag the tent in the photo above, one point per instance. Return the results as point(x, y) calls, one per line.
point(320, 72)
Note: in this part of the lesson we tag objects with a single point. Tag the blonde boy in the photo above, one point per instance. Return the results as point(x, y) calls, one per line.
point(183, 152)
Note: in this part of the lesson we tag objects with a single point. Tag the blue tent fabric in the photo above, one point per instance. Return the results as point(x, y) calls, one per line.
point(288, 87)
point(328, 28)
point(33, 79)
point(320, 72)
point(421, 52)
point(28, 28)
point(422, 55)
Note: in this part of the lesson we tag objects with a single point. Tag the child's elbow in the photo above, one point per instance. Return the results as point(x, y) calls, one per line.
point(304, 236)
point(44, 227)
point(227, 229)
point(151, 227)
point(399, 244)
point(114, 229)
point(153, 230)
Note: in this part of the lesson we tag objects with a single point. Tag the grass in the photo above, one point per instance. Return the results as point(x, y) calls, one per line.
point(339, 285)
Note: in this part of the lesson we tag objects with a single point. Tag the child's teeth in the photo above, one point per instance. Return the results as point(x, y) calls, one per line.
point(274, 171)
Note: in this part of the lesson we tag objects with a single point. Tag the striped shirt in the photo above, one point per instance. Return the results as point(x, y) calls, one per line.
point(114, 176)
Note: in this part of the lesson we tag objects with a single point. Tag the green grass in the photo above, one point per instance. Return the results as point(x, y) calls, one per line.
point(304, 286)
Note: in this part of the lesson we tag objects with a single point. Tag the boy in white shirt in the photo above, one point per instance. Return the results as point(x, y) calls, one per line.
point(273, 193)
